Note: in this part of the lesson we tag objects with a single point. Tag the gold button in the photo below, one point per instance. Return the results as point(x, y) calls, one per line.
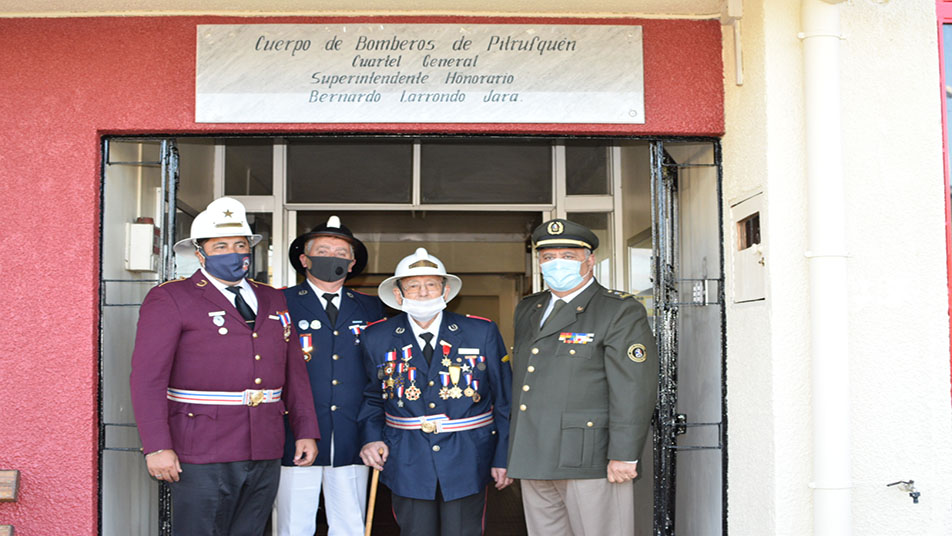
point(572, 352)
point(531, 368)
point(333, 408)
point(191, 414)
point(333, 382)
point(258, 381)
point(335, 332)
point(525, 387)
point(257, 358)
point(522, 407)
point(535, 351)
point(432, 405)
point(254, 335)
point(334, 357)
point(436, 448)
point(590, 424)
point(431, 383)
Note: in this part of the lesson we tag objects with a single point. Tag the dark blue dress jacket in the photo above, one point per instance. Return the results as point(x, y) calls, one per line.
point(458, 461)
point(335, 369)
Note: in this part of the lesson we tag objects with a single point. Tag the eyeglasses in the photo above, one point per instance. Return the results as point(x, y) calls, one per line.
point(414, 288)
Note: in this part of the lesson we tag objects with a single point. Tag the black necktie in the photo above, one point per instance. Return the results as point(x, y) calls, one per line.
point(243, 308)
point(427, 348)
point(331, 308)
point(559, 304)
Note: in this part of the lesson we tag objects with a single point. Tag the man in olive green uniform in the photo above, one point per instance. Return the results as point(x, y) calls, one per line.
point(585, 375)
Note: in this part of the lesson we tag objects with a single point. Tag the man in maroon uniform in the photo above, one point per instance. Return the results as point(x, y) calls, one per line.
point(216, 365)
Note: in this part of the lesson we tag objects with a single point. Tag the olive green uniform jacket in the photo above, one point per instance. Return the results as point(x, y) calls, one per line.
point(584, 387)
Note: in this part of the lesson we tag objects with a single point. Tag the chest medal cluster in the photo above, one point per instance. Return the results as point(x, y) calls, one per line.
point(398, 378)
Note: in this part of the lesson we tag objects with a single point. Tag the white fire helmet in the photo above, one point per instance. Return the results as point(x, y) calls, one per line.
point(420, 263)
point(223, 217)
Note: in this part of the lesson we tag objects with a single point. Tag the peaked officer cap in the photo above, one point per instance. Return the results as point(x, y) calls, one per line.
point(420, 263)
point(561, 233)
point(222, 217)
point(335, 229)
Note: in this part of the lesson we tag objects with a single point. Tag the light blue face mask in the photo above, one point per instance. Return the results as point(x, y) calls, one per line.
point(562, 274)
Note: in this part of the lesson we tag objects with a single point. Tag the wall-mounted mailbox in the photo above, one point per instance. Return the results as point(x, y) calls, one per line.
point(748, 251)
point(142, 245)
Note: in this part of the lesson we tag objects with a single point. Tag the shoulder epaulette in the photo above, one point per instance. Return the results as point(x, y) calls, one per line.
point(617, 294)
point(355, 291)
point(260, 283)
point(478, 318)
point(172, 281)
point(375, 322)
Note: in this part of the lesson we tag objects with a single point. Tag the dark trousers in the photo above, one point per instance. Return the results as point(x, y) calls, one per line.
point(224, 499)
point(421, 517)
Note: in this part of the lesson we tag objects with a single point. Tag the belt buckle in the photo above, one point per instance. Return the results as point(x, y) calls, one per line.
point(428, 427)
point(255, 397)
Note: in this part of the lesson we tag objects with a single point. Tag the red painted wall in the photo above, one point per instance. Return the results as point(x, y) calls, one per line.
point(66, 82)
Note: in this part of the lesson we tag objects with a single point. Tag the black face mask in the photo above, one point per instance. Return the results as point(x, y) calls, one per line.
point(329, 269)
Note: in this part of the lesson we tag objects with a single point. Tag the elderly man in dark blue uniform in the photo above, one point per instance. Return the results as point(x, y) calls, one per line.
point(216, 364)
point(435, 418)
point(329, 318)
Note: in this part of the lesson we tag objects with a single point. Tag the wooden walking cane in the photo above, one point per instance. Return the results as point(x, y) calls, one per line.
point(373, 498)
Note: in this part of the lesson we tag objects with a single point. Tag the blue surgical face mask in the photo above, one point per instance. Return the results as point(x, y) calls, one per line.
point(228, 266)
point(562, 274)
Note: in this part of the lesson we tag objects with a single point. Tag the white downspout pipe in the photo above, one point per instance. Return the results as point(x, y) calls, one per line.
point(829, 317)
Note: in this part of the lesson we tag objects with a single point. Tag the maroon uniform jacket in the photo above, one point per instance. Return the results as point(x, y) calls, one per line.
point(180, 344)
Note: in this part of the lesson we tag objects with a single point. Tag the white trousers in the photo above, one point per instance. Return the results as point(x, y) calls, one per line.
point(299, 492)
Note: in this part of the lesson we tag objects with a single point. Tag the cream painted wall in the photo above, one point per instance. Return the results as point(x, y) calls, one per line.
point(899, 326)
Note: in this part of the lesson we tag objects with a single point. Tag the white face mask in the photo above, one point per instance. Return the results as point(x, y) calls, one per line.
point(423, 310)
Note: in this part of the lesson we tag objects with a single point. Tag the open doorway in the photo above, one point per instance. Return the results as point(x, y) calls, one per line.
point(473, 202)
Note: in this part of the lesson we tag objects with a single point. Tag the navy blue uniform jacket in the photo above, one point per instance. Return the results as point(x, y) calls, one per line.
point(335, 370)
point(458, 461)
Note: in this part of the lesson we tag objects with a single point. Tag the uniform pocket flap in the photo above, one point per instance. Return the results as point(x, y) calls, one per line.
point(585, 419)
point(195, 410)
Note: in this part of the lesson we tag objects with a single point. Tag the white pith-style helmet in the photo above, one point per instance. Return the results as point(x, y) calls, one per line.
point(420, 263)
point(222, 217)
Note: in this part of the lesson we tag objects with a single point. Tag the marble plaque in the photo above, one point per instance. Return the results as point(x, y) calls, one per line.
point(419, 73)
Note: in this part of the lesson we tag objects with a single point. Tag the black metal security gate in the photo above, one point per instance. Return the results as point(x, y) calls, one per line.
point(690, 456)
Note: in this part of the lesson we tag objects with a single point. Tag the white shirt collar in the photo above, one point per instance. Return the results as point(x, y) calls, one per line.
point(247, 293)
point(569, 297)
point(434, 329)
point(320, 294)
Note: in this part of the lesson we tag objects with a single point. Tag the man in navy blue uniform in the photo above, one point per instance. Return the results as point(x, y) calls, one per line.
point(329, 318)
point(435, 417)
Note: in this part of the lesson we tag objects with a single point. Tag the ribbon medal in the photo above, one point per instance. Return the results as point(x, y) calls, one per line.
point(306, 345)
point(286, 322)
point(476, 396)
point(406, 353)
point(399, 395)
point(356, 329)
point(445, 380)
point(446, 353)
point(482, 363)
point(469, 385)
point(455, 391)
point(413, 392)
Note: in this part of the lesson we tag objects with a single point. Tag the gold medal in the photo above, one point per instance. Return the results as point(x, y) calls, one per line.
point(444, 393)
point(413, 393)
point(476, 397)
point(446, 362)
point(456, 392)
point(468, 392)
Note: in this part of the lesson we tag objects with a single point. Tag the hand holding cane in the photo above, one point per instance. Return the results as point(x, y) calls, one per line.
point(373, 497)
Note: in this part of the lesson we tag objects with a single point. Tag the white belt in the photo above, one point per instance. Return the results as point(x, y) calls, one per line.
point(248, 397)
point(440, 423)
